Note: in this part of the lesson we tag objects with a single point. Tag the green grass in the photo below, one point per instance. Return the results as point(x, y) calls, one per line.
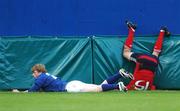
point(105, 101)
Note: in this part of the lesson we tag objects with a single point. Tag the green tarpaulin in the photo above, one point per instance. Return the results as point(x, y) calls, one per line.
point(89, 59)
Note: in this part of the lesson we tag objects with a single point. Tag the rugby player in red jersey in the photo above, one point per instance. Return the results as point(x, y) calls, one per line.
point(146, 64)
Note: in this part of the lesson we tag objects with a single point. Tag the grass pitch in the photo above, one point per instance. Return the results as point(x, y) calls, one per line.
point(104, 101)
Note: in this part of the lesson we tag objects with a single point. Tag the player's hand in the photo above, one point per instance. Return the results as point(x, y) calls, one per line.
point(15, 90)
point(25, 91)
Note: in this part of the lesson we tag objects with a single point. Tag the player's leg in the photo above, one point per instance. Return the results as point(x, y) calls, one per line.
point(78, 86)
point(129, 41)
point(121, 73)
point(104, 87)
point(91, 88)
point(120, 86)
point(158, 45)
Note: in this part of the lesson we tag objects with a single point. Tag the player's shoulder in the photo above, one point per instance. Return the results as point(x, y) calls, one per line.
point(47, 75)
point(43, 75)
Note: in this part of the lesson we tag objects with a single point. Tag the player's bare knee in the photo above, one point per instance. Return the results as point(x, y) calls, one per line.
point(155, 53)
point(127, 53)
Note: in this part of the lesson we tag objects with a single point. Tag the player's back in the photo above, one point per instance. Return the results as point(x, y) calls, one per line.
point(48, 83)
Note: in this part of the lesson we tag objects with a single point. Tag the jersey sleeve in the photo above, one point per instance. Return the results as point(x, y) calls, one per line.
point(37, 85)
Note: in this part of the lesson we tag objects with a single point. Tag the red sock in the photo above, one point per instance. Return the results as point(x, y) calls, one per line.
point(129, 40)
point(159, 41)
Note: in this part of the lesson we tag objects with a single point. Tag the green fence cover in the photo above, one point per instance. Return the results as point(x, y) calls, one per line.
point(69, 58)
point(90, 60)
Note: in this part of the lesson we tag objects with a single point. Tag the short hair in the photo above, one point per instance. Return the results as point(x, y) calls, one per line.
point(39, 68)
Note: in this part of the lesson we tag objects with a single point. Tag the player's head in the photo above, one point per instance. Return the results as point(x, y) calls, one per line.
point(37, 69)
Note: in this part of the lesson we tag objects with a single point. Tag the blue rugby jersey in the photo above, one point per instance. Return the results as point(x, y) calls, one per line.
point(48, 83)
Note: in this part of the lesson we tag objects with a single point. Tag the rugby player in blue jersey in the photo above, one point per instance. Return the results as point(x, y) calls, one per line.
point(50, 83)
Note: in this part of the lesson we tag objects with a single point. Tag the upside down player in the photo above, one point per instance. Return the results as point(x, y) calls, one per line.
point(49, 83)
point(146, 64)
